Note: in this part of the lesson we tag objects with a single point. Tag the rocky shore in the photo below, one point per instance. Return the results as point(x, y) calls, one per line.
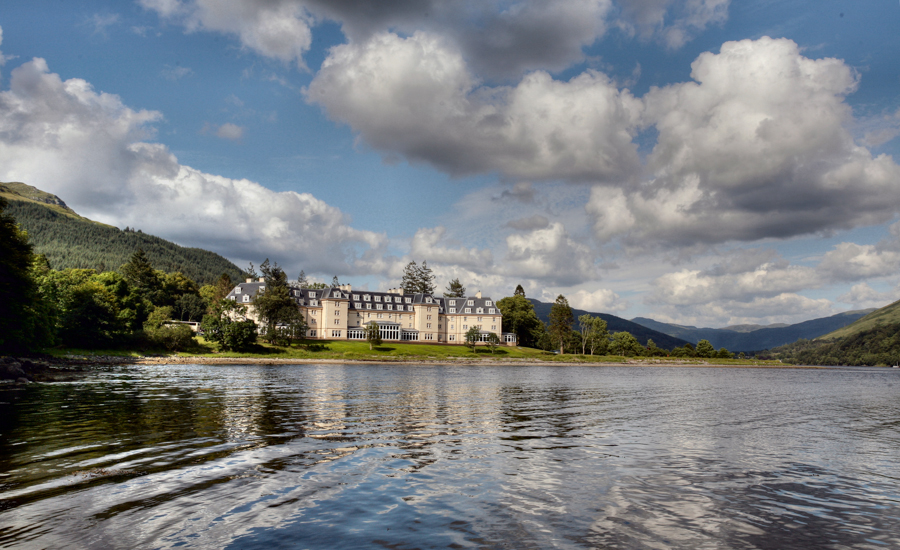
point(24, 370)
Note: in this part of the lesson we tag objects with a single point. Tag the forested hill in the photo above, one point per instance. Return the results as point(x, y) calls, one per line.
point(872, 340)
point(762, 337)
point(615, 324)
point(69, 240)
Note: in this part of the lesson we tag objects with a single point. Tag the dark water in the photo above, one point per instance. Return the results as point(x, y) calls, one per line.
point(452, 457)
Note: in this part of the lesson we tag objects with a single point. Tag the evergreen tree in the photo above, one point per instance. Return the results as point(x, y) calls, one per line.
point(519, 317)
point(335, 283)
point(426, 279)
point(276, 308)
point(142, 278)
point(410, 281)
point(250, 272)
point(301, 279)
point(705, 349)
point(519, 291)
point(455, 289)
point(561, 319)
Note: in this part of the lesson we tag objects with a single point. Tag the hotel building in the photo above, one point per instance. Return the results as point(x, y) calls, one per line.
point(341, 313)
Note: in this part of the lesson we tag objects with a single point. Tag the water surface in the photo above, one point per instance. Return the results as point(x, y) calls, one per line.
point(402, 457)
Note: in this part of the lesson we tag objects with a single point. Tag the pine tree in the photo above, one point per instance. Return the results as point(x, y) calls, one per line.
point(519, 291)
point(561, 319)
point(426, 279)
point(334, 282)
point(455, 289)
point(410, 282)
point(301, 279)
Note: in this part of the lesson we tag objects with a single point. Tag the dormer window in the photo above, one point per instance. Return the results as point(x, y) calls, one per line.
point(356, 297)
point(408, 300)
point(390, 306)
point(237, 290)
point(366, 297)
point(491, 311)
point(468, 310)
point(479, 310)
point(378, 306)
point(489, 303)
point(377, 298)
point(312, 294)
point(452, 309)
point(470, 303)
point(368, 306)
point(428, 300)
point(452, 302)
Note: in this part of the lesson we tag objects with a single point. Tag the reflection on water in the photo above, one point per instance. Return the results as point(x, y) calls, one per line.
point(434, 457)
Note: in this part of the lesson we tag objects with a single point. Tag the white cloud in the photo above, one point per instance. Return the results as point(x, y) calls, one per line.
point(429, 244)
point(783, 308)
point(673, 22)
point(853, 262)
point(549, 255)
point(275, 29)
point(415, 96)
point(230, 131)
point(862, 296)
point(757, 147)
point(101, 22)
point(599, 301)
point(176, 73)
point(90, 149)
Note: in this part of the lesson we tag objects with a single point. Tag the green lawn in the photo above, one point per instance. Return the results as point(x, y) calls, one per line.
point(406, 352)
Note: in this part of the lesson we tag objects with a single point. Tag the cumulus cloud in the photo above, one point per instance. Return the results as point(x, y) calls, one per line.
point(672, 22)
point(599, 301)
point(756, 147)
point(522, 191)
point(782, 308)
point(92, 150)
point(529, 223)
point(415, 96)
point(431, 244)
point(176, 73)
point(863, 296)
point(275, 29)
point(230, 131)
point(549, 255)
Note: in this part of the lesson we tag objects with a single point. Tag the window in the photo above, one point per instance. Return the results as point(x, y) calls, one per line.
point(380, 315)
point(368, 306)
point(312, 294)
point(378, 306)
point(366, 297)
point(479, 310)
point(429, 310)
point(427, 325)
point(356, 297)
point(452, 327)
point(335, 334)
point(492, 311)
point(387, 298)
point(408, 300)
point(315, 312)
point(452, 310)
point(468, 310)
point(452, 337)
point(312, 332)
point(246, 298)
point(429, 336)
point(337, 321)
point(452, 302)
point(377, 298)
point(479, 319)
point(465, 327)
point(338, 312)
point(489, 303)
point(470, 303)
point(390, 306)
point(428, 317)
point(357, 305)
point(262, 288)
point(493, 327)
point(237, 290)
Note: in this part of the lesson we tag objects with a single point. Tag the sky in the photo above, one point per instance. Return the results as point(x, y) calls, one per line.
point(702, 162)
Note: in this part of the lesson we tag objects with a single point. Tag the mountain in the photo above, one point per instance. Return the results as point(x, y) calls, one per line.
point(872, 340)
point(70, 240)
point(739, 338)
point(615, 324)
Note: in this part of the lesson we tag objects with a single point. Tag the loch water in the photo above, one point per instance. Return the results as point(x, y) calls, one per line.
point(405, 456)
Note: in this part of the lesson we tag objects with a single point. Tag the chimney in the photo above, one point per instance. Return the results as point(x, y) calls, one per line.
point(262, 279)
point(478, 294)
point(249, 279)
point(346, 288)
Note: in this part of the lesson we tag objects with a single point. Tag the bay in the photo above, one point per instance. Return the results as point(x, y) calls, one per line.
point(407, 456)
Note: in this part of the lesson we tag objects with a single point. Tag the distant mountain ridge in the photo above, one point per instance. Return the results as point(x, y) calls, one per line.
point(615, 324)
point(73, 241)
point(765, 337)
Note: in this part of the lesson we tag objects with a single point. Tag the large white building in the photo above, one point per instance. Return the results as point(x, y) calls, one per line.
point(342, 313)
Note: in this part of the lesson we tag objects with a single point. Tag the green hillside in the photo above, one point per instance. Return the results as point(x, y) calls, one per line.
point(872, 340)
point(887, 316)
point(72, 241)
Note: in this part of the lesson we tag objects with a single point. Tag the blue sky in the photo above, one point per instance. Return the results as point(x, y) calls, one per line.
point(701, 162)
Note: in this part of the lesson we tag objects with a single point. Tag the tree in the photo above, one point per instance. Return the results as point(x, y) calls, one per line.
point(493, 341)
point(519, 317)
point(624, 343)
point(301, 279)
point(373, 334)
point(561, 320)
point(585, 323)
point(410, 281)
point(24, 321)
point(472, 336)
point(142, 278)
point(599, 336)
point(250, 272)
point(724, 354)
point(276, 309)
point(426, 279)
point(653, 350)
point(705, 349)
point(335, 283)
point(226, 326)
point(171, 337)
point(519, 291)
point(455, 289)
point(189, 307)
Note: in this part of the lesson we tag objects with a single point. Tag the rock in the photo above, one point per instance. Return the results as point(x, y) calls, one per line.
point(11, 371)
point(22, 380)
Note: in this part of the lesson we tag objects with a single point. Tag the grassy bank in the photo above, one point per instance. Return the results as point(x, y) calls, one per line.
point(341, 350)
